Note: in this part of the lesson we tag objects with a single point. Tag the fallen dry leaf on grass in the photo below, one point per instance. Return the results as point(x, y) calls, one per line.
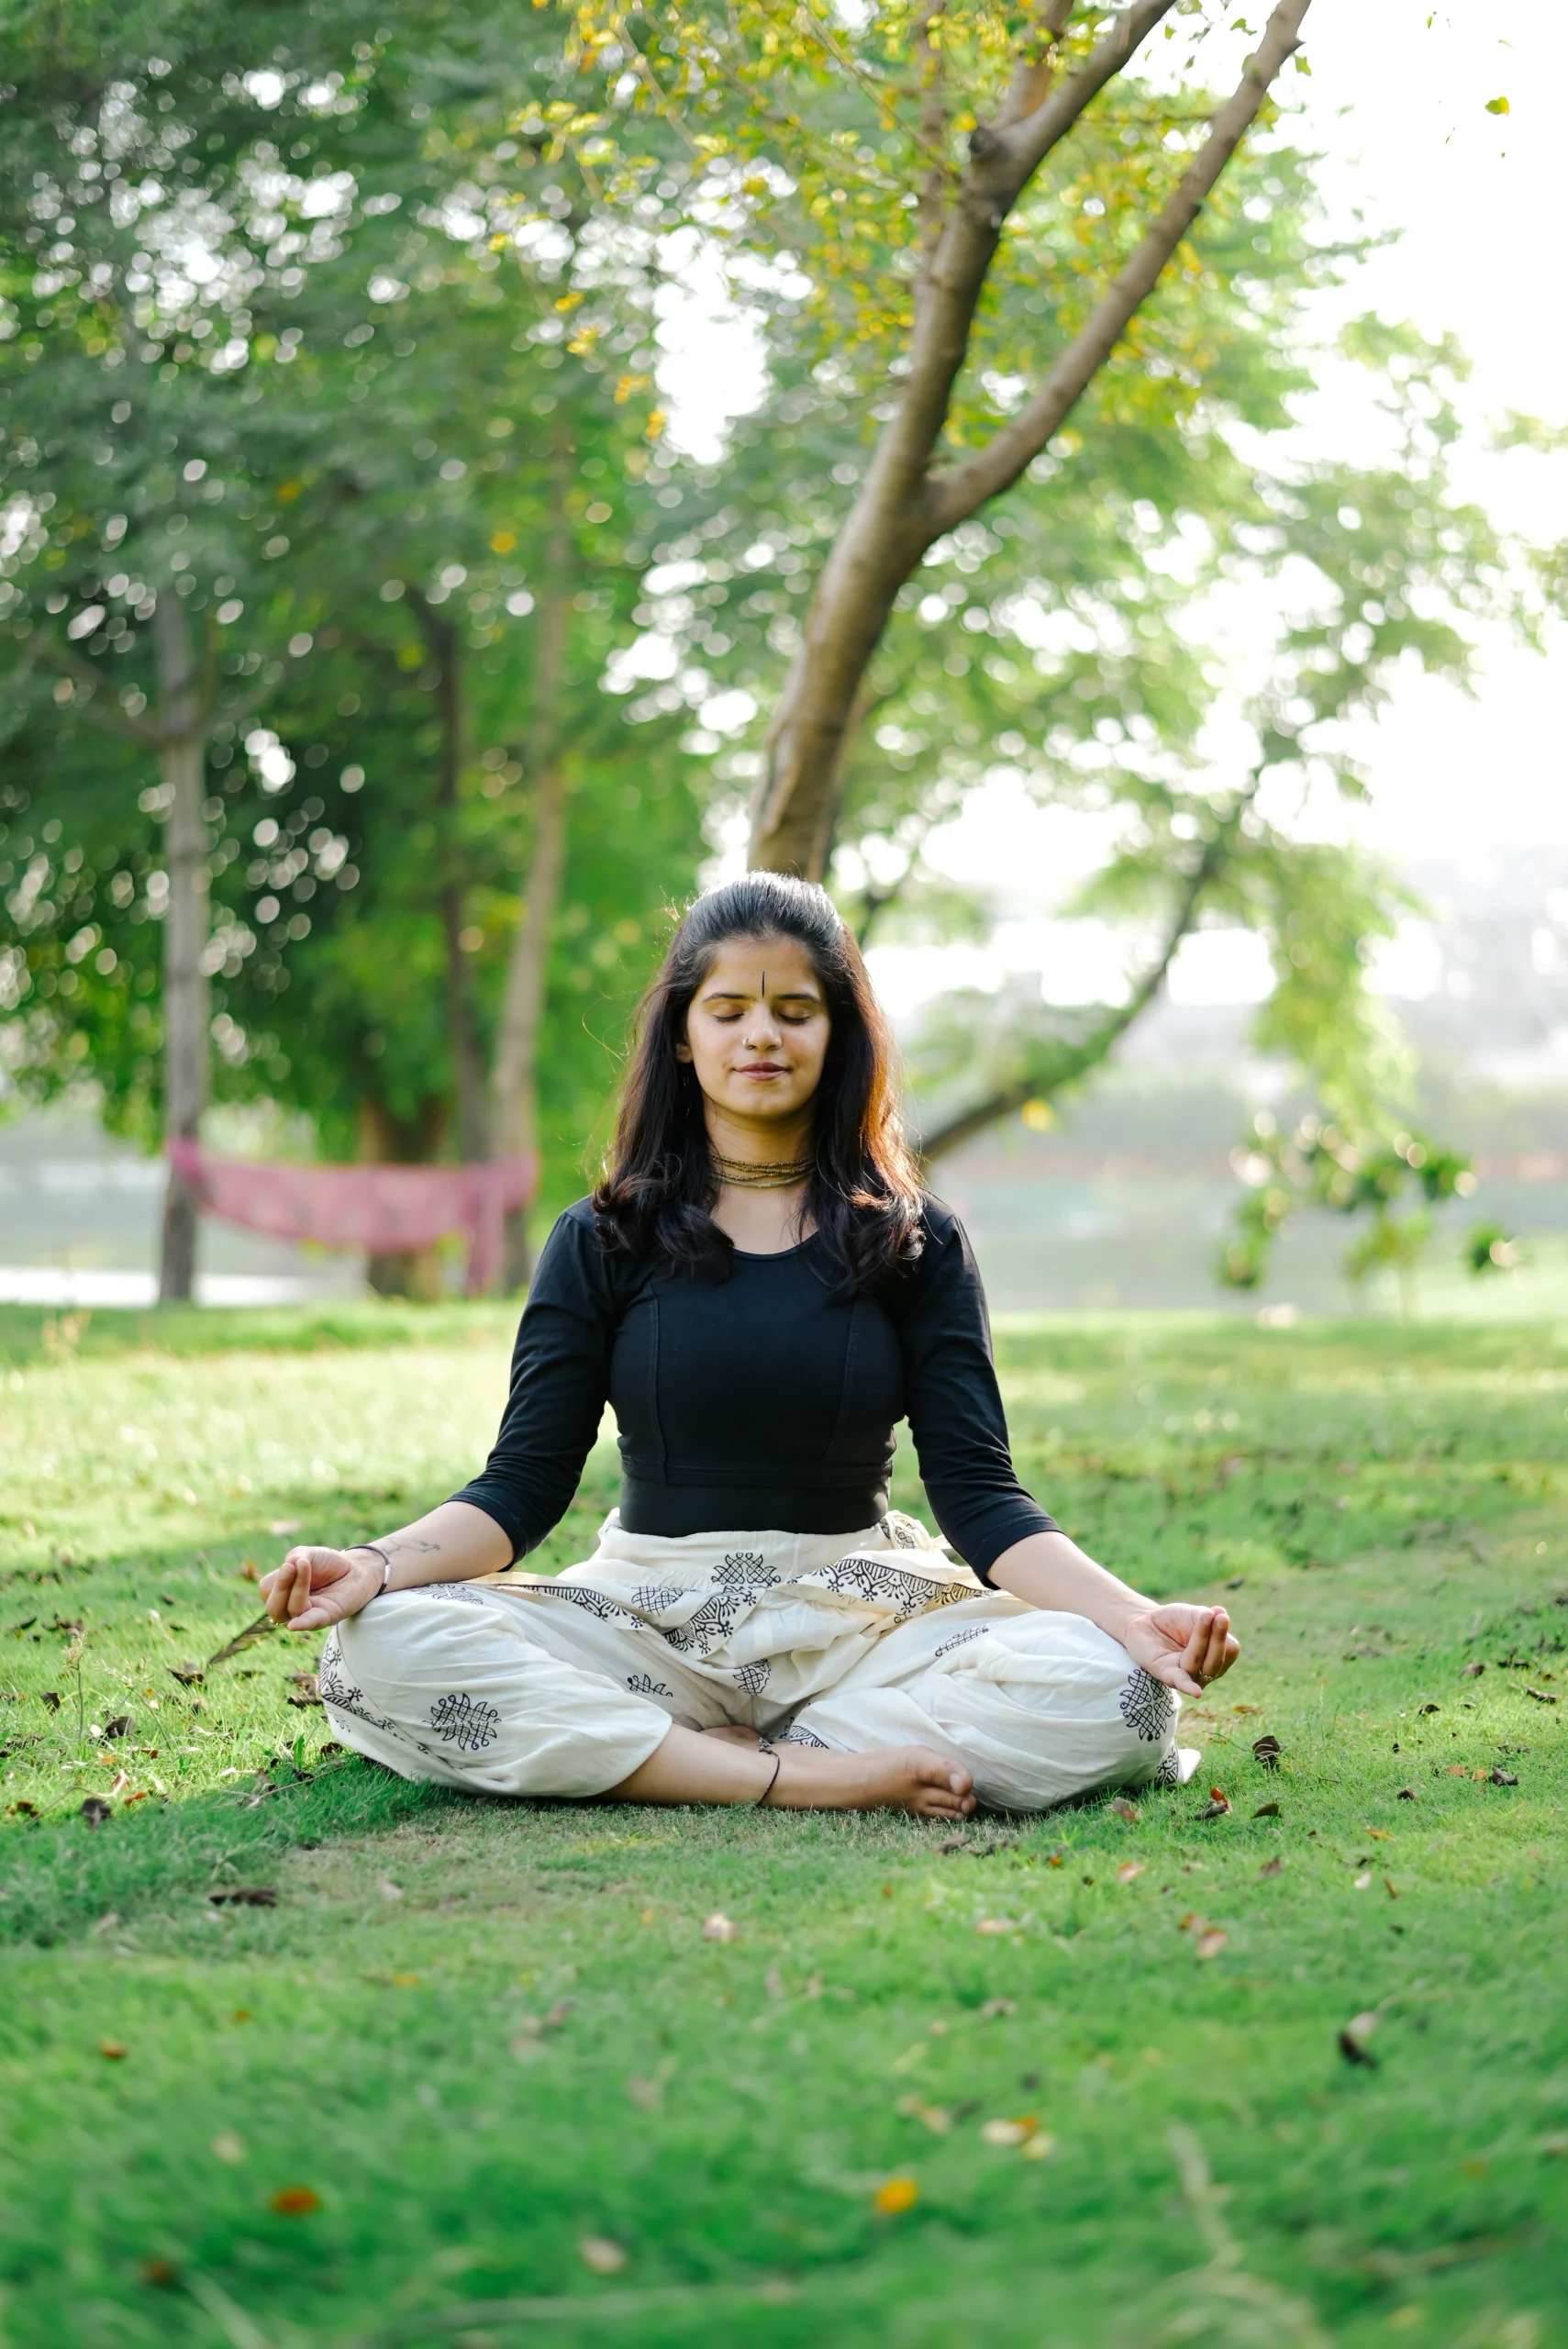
point(1541, 1695)
point(604, 2257)
point(113, 2049)
point(1129, 1870)
point(227, 2147)
point(188, 1675)
point(1472, 1671)
point(934, 2116)
point(954, 1844)
point(997, 1925)
point(719, 1928)
point(1209, 1945)
point(95, 1810)
point(388, 1890)
point(1353, 2038)
point(119, 1727)
point(1267, 1750)
point(1501, 1777)
point(1216, 1808)
point(1267, 1810)
point(295, 2201)
point(1271, 1867)
point(245, 1896)
point(1405, 1793)
point(896, 2195)
point(1125, 1809)
point(282, 1526)
point(161, 2272)
point(1009, 2132)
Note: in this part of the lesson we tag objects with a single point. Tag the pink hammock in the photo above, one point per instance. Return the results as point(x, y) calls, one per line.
point(384, 1209)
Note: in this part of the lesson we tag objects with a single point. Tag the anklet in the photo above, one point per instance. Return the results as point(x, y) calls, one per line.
point(763, 1747)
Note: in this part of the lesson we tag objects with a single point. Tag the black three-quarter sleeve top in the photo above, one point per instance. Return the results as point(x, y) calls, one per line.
point(763, 1402)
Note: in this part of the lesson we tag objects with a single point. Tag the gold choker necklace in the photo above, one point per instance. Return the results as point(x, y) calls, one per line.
point(746, 1175)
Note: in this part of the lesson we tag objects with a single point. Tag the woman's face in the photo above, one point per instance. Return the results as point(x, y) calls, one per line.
point(757, 1030)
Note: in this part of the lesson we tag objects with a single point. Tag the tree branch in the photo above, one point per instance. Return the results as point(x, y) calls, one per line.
point(1034, 67)
point(956, 494)
point(109, 715)
point(232, 712)
point(1068, 1061)
point(1026, 142)
point(1000, 166)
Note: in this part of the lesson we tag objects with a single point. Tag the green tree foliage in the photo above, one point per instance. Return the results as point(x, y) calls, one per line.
point(1321, 1165)
point(338, 327)
point(304, 386)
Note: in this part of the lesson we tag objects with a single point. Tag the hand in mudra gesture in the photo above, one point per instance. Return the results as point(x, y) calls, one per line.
point(316, 1587)
point(1182, 1645)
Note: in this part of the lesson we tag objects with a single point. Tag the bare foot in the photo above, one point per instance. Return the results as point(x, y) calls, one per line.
point(915, 1778)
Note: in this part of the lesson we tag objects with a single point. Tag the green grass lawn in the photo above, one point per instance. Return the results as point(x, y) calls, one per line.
point(479, 2075)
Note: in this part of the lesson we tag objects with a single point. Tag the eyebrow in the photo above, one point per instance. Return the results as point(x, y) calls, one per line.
point(743, 994)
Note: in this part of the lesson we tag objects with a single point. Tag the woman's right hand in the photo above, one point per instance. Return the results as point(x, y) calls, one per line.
point(314, 1587)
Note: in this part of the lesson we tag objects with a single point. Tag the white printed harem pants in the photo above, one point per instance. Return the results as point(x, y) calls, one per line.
point(525, 1685)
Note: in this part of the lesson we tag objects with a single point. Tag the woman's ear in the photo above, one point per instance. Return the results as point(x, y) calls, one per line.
point(683, 1050)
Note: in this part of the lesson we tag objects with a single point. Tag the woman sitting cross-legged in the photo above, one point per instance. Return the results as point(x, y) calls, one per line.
point(760, 1289)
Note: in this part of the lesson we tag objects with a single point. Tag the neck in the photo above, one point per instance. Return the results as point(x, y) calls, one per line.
point(760, 1142)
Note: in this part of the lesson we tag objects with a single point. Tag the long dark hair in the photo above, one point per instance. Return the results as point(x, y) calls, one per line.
point(660, 1182)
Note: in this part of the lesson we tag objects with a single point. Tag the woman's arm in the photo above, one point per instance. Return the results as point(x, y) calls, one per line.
point(1184, 1646)
point(315, 1586)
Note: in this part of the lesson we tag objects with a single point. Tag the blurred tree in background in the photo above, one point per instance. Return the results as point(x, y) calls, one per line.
point(374, 528)
point(354, 614)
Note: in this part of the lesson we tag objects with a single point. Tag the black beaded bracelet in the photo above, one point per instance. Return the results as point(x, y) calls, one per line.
point(763, 1747)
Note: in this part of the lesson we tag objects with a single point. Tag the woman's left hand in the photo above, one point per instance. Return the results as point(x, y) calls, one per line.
point(1183, 1646)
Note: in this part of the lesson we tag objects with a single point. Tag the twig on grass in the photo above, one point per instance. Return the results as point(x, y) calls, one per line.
point(579, 2307)
point(262, 1627)
point(240, 2330)
point(1291, 2322)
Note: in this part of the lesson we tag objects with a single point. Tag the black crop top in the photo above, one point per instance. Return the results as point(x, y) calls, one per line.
point(756, 1403)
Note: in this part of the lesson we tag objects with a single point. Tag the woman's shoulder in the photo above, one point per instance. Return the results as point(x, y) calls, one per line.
point(944, 1257)
point(941, 1225)
point(575, 1254)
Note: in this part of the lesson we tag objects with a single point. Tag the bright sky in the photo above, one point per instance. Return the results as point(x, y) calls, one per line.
point(1397, 107)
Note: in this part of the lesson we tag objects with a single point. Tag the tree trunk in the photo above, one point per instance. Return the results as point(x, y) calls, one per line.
point(515, 1079)
point(182, 758)
point(905, 504)
point(463, 1014)
point(389, 1140)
